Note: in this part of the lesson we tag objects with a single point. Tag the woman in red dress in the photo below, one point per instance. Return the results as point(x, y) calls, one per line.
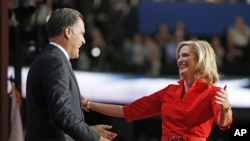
point(188, 109)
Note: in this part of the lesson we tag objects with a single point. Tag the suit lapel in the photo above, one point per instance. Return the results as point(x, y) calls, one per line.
point(69, 66)
point(71, 70)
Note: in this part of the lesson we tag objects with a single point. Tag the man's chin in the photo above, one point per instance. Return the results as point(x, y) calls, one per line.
point(74, 57)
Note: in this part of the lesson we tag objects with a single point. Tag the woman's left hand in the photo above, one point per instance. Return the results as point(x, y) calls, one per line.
point(222, 98)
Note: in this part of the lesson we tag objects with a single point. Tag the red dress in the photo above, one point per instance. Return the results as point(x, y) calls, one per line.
point(192, 115)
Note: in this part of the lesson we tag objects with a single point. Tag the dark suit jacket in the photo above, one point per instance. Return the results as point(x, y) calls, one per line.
point(53, 100)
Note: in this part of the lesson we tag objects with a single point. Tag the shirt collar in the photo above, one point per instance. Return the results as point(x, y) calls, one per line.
point(197, 82)
point(61, 48)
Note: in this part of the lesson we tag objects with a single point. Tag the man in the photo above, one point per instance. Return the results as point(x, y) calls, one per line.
point(53, 97)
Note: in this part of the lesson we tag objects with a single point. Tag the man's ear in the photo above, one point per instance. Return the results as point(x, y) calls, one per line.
point(67, 32)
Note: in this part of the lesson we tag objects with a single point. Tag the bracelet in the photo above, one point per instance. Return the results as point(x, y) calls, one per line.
point(86, 105)
point(227, 108)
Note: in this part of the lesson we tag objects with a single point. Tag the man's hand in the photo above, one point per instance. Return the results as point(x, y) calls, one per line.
point(103, 131)
point(103, 139)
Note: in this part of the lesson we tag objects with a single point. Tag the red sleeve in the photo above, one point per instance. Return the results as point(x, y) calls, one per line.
point(228, 125)
point(144, 107)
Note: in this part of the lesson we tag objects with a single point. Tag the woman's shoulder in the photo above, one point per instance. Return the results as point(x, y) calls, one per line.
point(174, 86)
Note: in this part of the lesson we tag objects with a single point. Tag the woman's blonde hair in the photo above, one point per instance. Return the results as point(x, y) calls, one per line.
point(206, 68)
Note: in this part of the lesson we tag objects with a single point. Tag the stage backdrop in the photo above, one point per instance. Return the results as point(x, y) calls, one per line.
point(122, 88)
point(200, 18)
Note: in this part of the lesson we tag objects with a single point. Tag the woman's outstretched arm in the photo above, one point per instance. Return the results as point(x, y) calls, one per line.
point(113, 110)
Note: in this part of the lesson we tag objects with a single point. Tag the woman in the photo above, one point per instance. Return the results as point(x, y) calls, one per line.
point(188, 109)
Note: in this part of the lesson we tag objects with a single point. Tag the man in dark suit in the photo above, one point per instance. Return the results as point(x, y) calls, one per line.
point(54, 110)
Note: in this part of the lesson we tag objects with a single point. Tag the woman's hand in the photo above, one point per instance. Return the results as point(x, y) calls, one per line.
point(222, 99)
point(225, 116)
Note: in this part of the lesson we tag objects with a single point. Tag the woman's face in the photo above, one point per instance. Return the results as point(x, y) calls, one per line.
point(186, 62)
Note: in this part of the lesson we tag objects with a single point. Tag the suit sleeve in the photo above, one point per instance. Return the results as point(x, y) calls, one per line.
point(58, 99)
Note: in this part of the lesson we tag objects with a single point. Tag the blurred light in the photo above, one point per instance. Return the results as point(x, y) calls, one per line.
point(47, 18)
point(96, 52)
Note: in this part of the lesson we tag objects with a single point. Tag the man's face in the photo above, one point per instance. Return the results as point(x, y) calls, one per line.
point(76, 39)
